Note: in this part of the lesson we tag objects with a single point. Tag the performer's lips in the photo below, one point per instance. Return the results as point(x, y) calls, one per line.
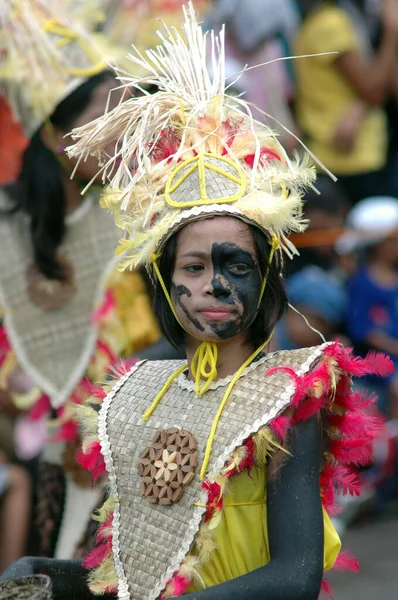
point(216, 313)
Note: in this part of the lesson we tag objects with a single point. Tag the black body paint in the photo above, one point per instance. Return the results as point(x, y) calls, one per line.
point(238, 289)
point(236, 282)
point(177, 291)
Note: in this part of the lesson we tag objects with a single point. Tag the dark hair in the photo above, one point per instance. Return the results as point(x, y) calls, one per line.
point(273, 304)
point(40, 193)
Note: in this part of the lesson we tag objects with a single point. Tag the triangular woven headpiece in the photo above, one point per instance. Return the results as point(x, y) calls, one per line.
point(45, 54)
point(190, 151)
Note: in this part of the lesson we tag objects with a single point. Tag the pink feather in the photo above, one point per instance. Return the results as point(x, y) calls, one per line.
point(106, 307)
point(67, 432)
point(346, 562)
point(94, 390)
point(375, 362)
point(179, 584)
point(100, 469)
point(5, 345)
point(355, 424)
point(326, 588)
point(280, 426)
point(313, 378)
point(356, 451)
point(97, 556)
point(346, 481)
point(41, 408)
point(103, 346)
point(307, 409)
point(89, 459)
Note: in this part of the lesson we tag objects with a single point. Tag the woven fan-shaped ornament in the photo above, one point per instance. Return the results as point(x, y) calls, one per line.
point(31, 587)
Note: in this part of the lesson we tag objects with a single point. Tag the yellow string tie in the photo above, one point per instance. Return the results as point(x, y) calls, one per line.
point(204, 366)
point(162, 392)
point(204, 362)
point(227, 394)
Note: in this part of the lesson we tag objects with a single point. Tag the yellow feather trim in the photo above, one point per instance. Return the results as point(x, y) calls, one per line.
point(103, 577)
point(103, 513)
point(265, 445)
point(9, 365)
point(88, 420)
point(204, 543)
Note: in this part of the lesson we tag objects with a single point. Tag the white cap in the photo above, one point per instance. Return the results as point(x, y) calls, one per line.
point(370, 221)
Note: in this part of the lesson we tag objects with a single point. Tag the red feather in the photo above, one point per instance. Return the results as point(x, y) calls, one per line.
point(280, 426)
point(307, 409)
point(346, 562)
point(89, 459)
point(97, 556)
point(42, 407)
point(326, 588)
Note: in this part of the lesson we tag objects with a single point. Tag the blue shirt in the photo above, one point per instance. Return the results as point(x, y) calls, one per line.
point(371, 308)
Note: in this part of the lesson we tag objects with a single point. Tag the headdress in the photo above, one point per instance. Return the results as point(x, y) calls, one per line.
point(191, 151)
point(46, 53)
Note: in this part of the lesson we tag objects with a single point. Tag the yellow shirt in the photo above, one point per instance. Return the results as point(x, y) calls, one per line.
point(241, 537)
point(324, 95)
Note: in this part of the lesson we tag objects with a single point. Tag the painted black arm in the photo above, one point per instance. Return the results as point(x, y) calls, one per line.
point(295, 530)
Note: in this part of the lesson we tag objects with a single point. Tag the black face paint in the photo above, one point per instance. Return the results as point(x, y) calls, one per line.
point(233, 284)
point(177, 292)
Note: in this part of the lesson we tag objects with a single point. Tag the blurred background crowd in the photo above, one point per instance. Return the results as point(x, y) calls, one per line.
point(342, 104)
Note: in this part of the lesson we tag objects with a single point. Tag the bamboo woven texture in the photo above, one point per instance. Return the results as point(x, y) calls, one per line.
point(53, 346)
point(217, 184)
point(32, 587)
point(154, 539)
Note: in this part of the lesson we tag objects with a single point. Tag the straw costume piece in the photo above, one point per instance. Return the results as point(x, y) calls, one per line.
point(46, 54)
point(178, 453)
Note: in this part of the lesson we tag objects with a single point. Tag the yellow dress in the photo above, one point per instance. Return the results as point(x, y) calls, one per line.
point(241, 538)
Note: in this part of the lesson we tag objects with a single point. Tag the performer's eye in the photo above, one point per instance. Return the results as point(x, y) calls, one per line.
point(196, 268)
point(240, 269)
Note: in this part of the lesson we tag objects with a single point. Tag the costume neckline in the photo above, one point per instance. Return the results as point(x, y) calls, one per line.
point(187, 384)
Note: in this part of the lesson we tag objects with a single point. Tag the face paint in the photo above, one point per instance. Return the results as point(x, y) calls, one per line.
point(177, 292)
point(236, 282)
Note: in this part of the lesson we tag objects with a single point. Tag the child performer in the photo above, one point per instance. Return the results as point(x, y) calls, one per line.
point(222, 469)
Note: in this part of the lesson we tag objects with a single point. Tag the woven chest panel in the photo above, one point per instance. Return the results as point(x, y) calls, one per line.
point(54, 346)
point(154, 539)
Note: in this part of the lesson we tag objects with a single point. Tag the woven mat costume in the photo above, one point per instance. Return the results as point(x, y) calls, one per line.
point(187, 460)
point(58, 338)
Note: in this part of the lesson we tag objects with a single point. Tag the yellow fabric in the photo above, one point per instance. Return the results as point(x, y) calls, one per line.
point(241, 538)
point(324, 95)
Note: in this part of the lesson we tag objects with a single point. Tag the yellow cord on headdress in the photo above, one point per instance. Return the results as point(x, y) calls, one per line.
point(274, 247)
